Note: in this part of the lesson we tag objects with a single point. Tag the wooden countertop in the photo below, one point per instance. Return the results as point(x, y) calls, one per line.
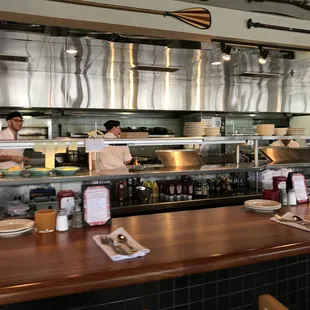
point(40, 266)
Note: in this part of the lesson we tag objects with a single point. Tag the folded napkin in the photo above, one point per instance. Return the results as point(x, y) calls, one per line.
point(141, 251)
point(289, 216)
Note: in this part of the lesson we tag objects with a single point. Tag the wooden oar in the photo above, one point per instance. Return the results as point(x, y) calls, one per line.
point(196, 17)
point(275, 27)
point(300, 4)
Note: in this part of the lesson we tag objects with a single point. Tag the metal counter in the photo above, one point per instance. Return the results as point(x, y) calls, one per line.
point(128, 173)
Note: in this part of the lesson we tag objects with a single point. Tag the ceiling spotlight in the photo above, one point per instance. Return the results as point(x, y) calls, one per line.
point(215, 63)
point(226, 50)
point(263, 54)
point(71, 51)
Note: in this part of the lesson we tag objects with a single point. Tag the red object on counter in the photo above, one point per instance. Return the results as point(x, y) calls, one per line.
point(271, 194)
point(277, 181)
point(65, 200)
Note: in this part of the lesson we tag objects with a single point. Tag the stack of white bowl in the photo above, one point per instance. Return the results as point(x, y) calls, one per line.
point(213, 131)
point(280, 131)
point(194, 129)
point(265, 129)
point(296, 131)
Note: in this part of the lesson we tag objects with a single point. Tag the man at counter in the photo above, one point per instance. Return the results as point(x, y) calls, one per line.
point(12, 157)
point(288, 143)
point(113, 157)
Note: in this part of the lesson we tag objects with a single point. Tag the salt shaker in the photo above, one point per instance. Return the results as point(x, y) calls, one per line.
point(77, 217)
point(62, 221)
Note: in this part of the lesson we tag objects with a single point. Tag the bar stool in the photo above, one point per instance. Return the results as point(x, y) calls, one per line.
point(267, 302)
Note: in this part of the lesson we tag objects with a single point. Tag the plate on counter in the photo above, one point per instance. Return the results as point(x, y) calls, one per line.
point(15, 225)
point(262, 205)
point(16, 233)
point(11, 173)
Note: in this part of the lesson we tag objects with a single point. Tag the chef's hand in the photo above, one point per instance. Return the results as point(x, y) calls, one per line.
point(19, 159)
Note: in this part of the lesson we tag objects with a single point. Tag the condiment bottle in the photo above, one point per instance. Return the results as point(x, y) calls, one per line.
point(62, 221)
point(66, 202)
point(198, 189)
point(77, 217)
point(171, 191)
point(130, 188)
point(155, 190)
point(122, 191)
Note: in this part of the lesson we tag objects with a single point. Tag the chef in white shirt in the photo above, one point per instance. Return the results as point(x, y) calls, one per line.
point(288, 143)
point(12, 157)
point(113, 157)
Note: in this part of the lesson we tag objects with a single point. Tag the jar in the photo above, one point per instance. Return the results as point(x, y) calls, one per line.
point(66, 202)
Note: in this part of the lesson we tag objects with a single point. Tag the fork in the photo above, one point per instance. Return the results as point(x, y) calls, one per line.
point(297, 220)
point(109, 241)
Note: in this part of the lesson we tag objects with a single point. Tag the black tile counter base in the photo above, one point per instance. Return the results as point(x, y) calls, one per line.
point(287, 279)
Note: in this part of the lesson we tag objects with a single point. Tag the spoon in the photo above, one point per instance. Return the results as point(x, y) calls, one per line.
point(122, 239)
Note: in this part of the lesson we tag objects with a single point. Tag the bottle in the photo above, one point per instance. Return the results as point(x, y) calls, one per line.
point(155, 190)
point(77, 217)
point(62, 220)
point(205, 189)
point(66, 202)
point(130, 188)
point(122, 193)
point(198, 189)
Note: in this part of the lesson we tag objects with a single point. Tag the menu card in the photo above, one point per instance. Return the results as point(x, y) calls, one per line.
point(96, 205)
point(299, 185)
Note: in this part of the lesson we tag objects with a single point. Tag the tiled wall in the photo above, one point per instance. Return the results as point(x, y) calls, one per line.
point(287, 279)
point(87, 124)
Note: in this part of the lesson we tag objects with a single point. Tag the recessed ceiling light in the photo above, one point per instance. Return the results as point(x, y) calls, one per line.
point(215, 63)
point(71, 51)
point(226, 57)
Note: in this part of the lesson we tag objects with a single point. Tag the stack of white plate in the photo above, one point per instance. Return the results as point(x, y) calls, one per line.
point(296, 131)
point(15, 227)
point(262, 205)
point(265, 129)
point(194, 129)
point(212, 131)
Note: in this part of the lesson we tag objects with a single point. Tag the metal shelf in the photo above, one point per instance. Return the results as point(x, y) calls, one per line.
point(29, 144)
point(86, 176)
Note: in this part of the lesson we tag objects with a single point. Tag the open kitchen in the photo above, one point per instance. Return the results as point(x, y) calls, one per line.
point(146, 168)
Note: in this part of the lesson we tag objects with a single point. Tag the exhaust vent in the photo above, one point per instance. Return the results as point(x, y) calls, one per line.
point(261, 75)
point(155, 69)
point(13, 58)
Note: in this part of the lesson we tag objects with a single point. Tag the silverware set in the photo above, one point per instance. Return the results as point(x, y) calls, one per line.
point(296, 219)
point(120, 246)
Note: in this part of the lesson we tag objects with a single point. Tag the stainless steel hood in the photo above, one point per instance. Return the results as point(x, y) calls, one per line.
point(100, 76)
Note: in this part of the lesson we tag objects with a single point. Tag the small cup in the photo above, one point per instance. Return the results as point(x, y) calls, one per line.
point(45, 220)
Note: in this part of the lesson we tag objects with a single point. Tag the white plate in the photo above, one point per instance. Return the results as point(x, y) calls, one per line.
point(15, 233)
point(262, 209)
point(262, 203)
point(15, 225)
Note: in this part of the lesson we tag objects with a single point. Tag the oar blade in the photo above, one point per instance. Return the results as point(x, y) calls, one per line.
point(196, 17)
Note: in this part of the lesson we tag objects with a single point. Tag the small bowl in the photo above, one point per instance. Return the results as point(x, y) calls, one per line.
point(38, 172)
point(144, 193)
point(67, 171)
point(11, 173)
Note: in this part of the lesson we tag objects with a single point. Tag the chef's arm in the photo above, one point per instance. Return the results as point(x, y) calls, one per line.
point(127, 156)
point(15, 158)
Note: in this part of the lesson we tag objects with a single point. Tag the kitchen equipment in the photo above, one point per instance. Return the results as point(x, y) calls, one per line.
point(194, 129)
point(176, 158)
point(280, 131)
point(141, 160)
point(296, 131)
point(212, 131)
point(144, 193)
point(133, 135)
point(282, 155)
point(67, 171)
point(265, 129)
point(73, 156)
